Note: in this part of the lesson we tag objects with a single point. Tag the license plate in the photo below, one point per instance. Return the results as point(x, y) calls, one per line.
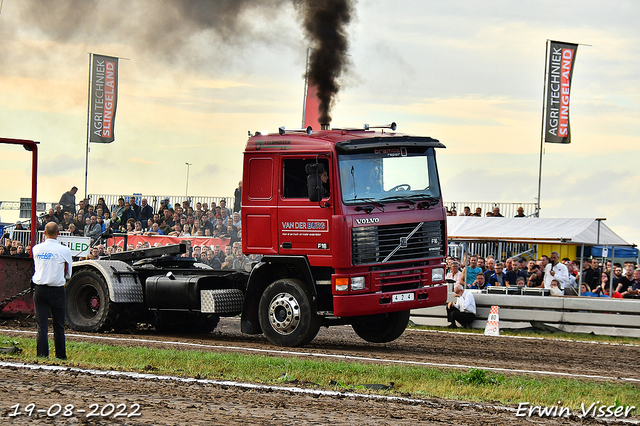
point(402, 297)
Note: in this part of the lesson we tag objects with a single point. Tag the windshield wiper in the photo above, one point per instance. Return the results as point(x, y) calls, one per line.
point(428, 202)
point(425, 201)
point(367, 200)
point(368, 209)
point(405, 198)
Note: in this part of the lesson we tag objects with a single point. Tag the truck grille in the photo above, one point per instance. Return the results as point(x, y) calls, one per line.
point(373, 244)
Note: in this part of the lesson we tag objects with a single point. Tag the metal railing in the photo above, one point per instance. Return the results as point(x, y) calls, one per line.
point(506, 209)
point(24, 236)
point(111, 200)
point(498, 249)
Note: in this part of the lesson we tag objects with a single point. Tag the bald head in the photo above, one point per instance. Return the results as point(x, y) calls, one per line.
point(51, 230)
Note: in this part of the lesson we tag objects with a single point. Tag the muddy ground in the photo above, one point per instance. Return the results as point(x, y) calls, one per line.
point(169, 403)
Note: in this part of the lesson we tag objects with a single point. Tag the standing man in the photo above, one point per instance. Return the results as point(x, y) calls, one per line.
point(68, 200)
point(146, 212)
point(555, 270)
point(135, 207)
point(469, 273)
point(52, 268)
point(237, 197)
point(490, 263)
point(589, 275)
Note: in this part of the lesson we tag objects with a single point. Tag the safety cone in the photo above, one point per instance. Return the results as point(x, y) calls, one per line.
point(492, 328)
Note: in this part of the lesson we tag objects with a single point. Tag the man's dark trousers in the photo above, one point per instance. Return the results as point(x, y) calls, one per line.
point(48, 299)
point(464, 318)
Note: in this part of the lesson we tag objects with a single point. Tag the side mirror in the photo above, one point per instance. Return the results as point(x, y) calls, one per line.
point(314, 186)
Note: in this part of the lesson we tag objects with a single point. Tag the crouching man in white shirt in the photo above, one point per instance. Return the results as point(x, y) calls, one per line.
point(463, 310)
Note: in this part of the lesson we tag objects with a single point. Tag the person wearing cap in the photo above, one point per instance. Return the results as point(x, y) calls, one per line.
point(52, 264)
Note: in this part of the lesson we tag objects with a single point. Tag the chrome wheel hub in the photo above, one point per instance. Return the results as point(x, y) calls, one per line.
point(284, 313)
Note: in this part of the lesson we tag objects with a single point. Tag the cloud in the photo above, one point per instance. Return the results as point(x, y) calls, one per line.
point(143, 161)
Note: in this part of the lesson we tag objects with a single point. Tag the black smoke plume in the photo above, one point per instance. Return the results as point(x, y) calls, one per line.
point(173, 30)
point(325, 24)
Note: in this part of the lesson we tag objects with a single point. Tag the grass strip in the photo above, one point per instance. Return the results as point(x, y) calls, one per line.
point(578, 337)
point(426, 382)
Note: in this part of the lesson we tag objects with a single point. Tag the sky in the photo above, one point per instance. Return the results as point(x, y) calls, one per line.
point(197, 75)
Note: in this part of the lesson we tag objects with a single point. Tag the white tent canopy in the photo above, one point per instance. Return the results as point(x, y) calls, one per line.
point(532, 230)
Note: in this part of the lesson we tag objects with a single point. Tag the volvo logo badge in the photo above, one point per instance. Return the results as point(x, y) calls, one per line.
point(367, 221)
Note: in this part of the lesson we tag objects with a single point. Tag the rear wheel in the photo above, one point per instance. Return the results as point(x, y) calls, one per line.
point(88, 304)
point(381, 328)
point(286, 315)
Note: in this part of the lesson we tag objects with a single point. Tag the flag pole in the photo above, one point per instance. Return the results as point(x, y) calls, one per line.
point(544, 100)
point(86, 164)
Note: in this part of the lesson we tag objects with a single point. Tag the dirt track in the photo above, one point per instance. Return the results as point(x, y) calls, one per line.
point(167, 403)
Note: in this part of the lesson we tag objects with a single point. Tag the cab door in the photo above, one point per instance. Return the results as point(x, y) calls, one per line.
point(259, 205)
point(305, 226)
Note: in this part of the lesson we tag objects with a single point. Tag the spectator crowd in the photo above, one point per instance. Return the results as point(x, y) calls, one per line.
point(182, 220)
point(478, 212)
point(220, 222)
point(559, 276)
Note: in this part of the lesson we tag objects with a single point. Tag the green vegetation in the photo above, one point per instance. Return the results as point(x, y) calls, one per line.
point(412, 381)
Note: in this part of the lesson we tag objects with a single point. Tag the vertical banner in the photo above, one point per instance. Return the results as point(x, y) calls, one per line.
point(561, 59)
point(103, 98)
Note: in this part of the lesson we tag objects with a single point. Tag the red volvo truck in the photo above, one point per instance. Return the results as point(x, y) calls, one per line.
point(351, 228)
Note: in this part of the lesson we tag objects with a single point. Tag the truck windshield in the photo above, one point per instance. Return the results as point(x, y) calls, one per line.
point(387, 175)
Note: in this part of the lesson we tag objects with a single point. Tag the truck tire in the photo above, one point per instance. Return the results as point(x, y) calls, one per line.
point(88, 304)
point(286, 314)
point(381, 328)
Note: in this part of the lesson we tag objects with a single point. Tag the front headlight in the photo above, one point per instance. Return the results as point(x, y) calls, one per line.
point(357, 283)
point(437, 274)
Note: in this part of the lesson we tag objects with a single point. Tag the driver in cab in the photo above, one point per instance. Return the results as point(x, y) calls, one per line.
point(324, 178)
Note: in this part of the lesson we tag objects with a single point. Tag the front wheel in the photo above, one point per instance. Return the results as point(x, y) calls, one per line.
point(381, 328)
point(286, 315)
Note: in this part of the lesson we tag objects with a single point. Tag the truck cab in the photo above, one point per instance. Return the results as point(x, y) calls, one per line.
point(351, 228)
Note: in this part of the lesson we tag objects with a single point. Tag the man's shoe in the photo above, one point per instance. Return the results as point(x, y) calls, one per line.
point(453, 325)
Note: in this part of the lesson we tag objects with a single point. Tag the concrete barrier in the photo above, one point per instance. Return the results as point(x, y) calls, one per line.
point(604, 316)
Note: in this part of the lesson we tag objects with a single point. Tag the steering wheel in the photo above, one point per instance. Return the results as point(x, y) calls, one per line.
point(401, 187)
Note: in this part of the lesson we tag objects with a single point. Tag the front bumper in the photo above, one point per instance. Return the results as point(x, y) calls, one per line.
point(350, 305)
